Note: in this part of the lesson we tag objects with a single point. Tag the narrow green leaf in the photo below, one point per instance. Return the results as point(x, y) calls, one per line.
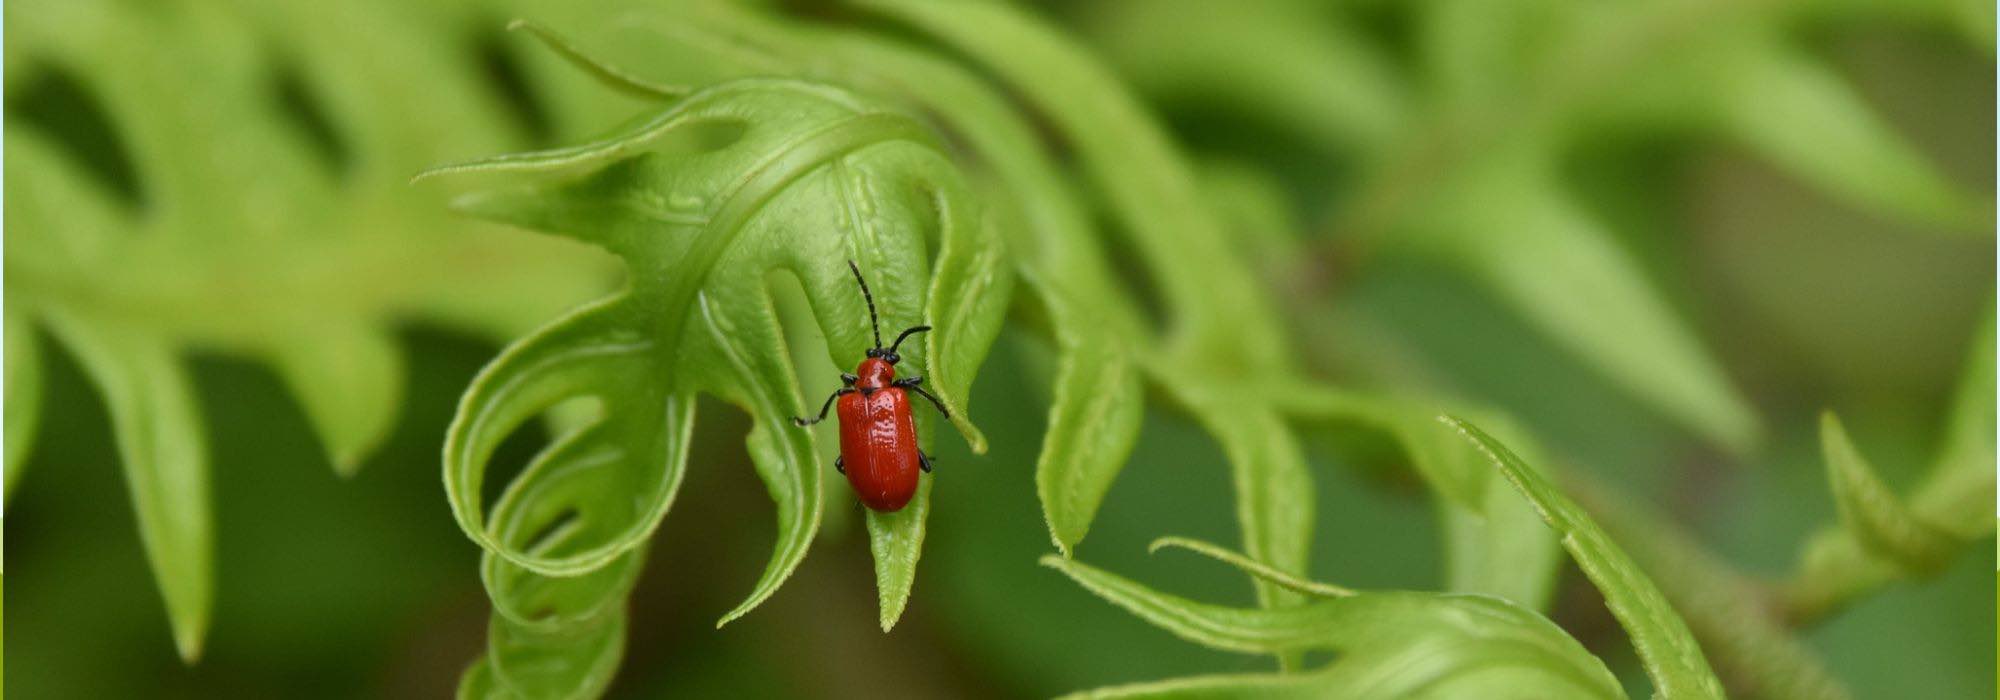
point(1955, 495)
point(1315, 76)
point(1555, 265)
point(350, 378)
point(1217, 304)
point(1390, 643)
point(1873, 512)
point(162, 443)
point(606, 74)
point(23, 395)
point(1495, 543)
point(1251, 566)
point(1672, 658)
point(1801, 115)
point(757, 374)
point(1841, 564)
point(1730, 613)
point(1274, 492)
point(1093, 421)
point(971, 285)
point(897, 540)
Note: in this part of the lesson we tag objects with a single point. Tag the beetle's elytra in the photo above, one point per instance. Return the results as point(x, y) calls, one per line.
point(878, 440)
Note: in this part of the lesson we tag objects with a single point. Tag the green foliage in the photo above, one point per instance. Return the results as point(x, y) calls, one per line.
point(208, 215)
point(1391, 643)
point(1459, 149)
point(952, 150)
point(705, 198)
point(1882, 537)
point(1672, 658)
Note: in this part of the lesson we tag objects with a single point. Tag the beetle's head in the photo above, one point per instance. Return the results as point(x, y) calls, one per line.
point(885, 354)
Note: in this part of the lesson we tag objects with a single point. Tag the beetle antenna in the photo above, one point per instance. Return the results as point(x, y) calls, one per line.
point(899, 339)
point(873, 323)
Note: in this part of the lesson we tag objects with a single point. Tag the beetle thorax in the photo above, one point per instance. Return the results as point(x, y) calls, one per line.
point(874, 373)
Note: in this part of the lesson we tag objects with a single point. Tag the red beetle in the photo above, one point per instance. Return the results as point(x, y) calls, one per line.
point(878, 441)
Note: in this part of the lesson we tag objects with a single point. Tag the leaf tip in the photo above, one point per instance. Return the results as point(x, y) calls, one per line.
point(890, 615)
point(346, 464)
point(189, 640)
point(974, 438)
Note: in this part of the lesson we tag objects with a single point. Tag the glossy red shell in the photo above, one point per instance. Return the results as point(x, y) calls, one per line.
point(878, 446)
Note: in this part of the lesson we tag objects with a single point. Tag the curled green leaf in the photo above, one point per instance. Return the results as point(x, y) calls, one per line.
point(705, 199)
point(1096, 409)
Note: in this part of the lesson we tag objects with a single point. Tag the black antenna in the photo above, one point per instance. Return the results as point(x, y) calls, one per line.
point(912, 331)
point(872, 322)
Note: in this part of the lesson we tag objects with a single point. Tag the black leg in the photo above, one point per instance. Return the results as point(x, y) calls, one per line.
point(841, 467)
point(924, 460)
point(848, 379)
point(911, 384)
point(803, 422)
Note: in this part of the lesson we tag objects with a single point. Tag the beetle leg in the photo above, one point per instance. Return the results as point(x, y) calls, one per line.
point(848, 379)
point(924, 461)
point(911, 384)
point(802, 421)
point(839, 466)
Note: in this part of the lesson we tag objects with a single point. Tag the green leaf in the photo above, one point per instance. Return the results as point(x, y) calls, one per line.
point(180, 185)
point(1316, 76)
point(162, 443)
point(1093, 422)
point(1390, 643)
point(1251, 566)
point(1729, 612)
point(576, 665)
point(1095, 415)
point(1223, 327)
point(1672, 658)
point(1494, 543)
point(1801, 115)
point(897, 540)
point(23, 395)
point(705, 198)
point(1955, 493)
point(1873, 512)
point(1218, 307)
point(1553, 264)
point(1881, 540)
point(1274, 503)
point(350, 379)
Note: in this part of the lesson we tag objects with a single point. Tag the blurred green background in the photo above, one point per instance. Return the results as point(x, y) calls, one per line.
point(365, 588)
